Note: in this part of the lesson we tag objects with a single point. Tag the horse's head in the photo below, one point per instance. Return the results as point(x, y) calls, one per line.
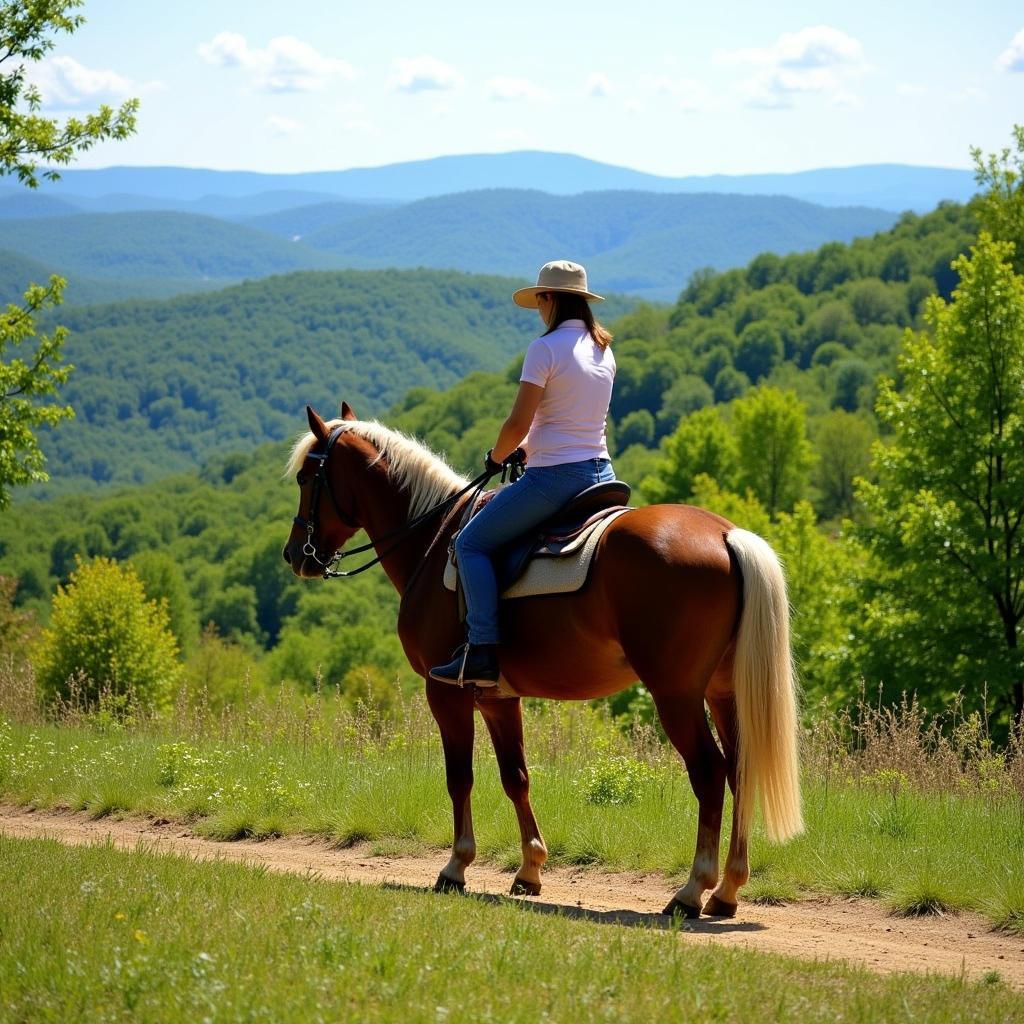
point(323, 523)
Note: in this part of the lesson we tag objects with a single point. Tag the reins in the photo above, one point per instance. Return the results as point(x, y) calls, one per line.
point(321, 483)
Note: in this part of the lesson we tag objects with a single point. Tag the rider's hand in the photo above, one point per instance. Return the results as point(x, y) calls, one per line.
point(492, 468)
point(517, 458)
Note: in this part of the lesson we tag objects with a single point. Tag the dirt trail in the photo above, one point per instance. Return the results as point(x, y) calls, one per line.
point(859, 931)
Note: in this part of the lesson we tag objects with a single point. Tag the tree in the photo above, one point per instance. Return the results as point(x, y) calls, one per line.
point(1001, 203)
point(948, 507)
point(773, 453)
point(105, 635)
point(759, 350)
point(842, 441)
point(26, 137)
point(701, 444)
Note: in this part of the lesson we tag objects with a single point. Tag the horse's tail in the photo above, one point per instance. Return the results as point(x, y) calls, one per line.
point(766, 699)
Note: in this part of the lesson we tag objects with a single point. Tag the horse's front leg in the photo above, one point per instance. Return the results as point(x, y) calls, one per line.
point(505, 723)
point(452, 709)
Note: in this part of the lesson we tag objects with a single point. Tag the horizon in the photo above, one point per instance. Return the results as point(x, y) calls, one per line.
point(509, 152)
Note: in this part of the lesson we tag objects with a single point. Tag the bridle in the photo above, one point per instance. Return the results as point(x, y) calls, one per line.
point(321, 484)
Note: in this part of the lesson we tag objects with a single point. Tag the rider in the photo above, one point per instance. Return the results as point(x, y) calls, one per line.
point(559, 419)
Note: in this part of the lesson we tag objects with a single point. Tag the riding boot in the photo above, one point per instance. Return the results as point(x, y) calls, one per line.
point(473, 665)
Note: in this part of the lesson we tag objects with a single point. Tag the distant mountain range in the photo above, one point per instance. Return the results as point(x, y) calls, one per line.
point(894, 187)
point(640, 243)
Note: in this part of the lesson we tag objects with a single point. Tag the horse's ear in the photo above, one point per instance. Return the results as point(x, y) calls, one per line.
point(316, 425)
point(346, 412)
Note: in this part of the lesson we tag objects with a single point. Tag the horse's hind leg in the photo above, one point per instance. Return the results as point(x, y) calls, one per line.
point(722, 902)
point(687, 727)
point(504, 720)
point(453, 711)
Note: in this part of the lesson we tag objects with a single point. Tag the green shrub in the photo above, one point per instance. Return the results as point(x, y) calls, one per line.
point(616, 780)
point(104, 636)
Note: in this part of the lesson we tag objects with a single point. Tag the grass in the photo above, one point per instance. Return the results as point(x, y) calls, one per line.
point(896, 809)
point(100, 934)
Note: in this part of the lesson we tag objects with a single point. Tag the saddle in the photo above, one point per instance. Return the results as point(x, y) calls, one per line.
point(554, 557)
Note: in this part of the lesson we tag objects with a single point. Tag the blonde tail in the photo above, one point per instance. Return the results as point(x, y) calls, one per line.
point(766, 699)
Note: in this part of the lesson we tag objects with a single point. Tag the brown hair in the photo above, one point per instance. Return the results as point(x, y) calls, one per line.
point(568, 306)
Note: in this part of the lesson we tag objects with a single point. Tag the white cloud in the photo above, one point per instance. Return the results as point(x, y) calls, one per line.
point(286, 64)
point(422, 74)
point(598, 85)
point(505, 89)
point(283, 126)
point(63, 82)
point(1012, 58)
point(911, 89)
point(816, 60)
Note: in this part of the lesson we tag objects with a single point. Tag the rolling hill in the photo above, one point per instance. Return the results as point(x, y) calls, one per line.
point(889, 186)
point(160, 386)
point(157, 245)
point(636, 242)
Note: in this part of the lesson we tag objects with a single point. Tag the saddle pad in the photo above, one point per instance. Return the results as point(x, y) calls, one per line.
point(550, 574)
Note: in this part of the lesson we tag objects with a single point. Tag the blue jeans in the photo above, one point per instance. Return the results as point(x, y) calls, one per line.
point(513, 511)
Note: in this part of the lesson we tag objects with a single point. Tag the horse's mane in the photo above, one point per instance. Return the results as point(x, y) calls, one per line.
point(411, 465)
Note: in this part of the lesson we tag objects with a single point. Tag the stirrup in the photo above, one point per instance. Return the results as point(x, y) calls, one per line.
point(454, 672)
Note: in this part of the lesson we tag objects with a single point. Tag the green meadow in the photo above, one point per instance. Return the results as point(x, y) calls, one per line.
point(99, 934)
point(903, 815)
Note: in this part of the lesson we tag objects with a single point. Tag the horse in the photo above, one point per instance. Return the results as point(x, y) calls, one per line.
point(677, 597)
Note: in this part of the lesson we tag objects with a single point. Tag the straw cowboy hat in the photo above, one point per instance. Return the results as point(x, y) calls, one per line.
point(556, 276)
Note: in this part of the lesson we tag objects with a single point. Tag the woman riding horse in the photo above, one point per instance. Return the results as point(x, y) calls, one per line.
point(559, 420)
point(676, 597)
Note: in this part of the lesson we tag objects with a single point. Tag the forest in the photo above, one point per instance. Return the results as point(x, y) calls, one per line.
point(160, 386)
point(761, 394)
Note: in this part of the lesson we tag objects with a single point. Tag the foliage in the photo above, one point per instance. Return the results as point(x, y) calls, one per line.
point(842, 442)
point(22, 381)
point(104, 635)
point(26, 30)
point(1000, 177)
point(773, 454)
point(948, 506)
point(162, 386)
point(703, 443)
point(163, 581)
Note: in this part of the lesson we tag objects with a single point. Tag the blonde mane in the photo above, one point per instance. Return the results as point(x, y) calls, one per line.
point(411, 465)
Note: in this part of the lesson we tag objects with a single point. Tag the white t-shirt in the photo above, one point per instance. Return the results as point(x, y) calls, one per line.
point(576, 375)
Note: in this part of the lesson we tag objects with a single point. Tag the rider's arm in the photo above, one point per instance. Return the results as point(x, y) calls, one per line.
point(515, 428)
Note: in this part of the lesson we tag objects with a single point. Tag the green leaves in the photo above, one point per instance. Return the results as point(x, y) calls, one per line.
point(948, 507)
point(104, 636)
point(26, 137)
point(34, 372)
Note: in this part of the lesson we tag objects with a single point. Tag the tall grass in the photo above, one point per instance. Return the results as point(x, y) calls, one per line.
point(924, 813)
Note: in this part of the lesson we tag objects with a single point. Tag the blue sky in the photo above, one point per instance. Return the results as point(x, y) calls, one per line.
point(665, 86)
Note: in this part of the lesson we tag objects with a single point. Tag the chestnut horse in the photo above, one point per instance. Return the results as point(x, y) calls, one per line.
point(677, 597)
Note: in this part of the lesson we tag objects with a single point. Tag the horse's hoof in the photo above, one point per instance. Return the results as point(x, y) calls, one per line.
point(719, 908)
point(677, 907)
point(520, 887)
point(446, 884)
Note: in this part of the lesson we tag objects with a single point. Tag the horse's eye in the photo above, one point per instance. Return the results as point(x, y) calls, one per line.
point(300, 479)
